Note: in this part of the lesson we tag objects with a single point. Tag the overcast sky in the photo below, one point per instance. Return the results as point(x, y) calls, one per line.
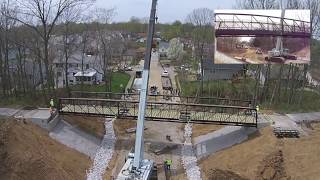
point(168, 10)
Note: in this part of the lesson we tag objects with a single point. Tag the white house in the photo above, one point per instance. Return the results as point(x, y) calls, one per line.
point(89, 76)
point(92, 71)
point(163, 48)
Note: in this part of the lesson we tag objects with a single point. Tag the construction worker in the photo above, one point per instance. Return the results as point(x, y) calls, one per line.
point(51, 106)
point(257, 108)
point(168, 164)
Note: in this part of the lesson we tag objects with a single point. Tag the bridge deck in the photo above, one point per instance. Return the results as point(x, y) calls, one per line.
point(159, 111)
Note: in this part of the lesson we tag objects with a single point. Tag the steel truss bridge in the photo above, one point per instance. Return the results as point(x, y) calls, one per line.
point(161, 111)
point(164, 98)
point(230, 24)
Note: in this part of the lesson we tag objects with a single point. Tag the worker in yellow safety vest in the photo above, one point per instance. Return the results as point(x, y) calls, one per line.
point(168, 164)
point(51, 106)
point(257, 108)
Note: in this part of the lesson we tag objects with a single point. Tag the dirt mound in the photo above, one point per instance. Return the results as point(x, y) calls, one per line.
point(218, 174)
point(305, 52)
point(27, 152)
point(272, 167)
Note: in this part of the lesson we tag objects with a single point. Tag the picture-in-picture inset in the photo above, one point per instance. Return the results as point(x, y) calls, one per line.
point(262, 36)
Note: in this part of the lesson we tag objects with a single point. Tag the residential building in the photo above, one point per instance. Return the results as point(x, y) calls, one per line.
point(88, 76)
point(92, 70)
point(220, 71)
point(163, 49)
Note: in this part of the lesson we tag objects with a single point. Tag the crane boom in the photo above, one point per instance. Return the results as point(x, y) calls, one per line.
point(138, 153)
point(279, 46)
point(136, 167)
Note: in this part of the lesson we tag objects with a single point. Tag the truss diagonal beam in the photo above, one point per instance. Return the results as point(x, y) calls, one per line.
point(162, 111)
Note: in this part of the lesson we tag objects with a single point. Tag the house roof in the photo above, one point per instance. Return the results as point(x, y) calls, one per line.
point(208, 64)
point(76, 58)
point(164, 45)
point(86, 73)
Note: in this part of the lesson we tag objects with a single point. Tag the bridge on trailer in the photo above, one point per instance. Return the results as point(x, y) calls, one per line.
point(161, 111)
point(235, 24)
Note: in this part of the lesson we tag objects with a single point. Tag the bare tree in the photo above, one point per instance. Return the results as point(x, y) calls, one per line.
point(202, 20)
point(257, 4)
point(69, 38)
point(314, 6)
point(19, 43)
point(201, 17)
point(103, 17)
point(42, 16)
point(6, 26)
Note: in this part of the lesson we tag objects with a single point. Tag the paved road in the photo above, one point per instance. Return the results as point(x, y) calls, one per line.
point(8, 111)
point(155, 72)
point(299, 117)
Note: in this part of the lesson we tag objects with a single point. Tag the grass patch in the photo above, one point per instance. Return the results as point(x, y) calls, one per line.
point(118, 78)
point(310, 103)
point(15, 102)
point(225, 89)
point(41, 101)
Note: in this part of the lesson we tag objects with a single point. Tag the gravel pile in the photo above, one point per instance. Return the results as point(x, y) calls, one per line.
point(104, 154)
point(189, 160)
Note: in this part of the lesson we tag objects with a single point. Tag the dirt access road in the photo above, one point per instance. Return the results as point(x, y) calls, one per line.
point(221, 58)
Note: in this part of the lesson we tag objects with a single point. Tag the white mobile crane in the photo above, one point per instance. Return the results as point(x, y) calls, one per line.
point(136, 167)
point(280, 54)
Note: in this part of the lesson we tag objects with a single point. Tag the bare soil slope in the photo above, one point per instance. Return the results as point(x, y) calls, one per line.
point(202, 129)
point(264, 156)
point(27, 152)
point(91, 125)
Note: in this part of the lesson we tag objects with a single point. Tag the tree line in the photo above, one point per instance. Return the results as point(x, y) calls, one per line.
point(35, 32)
point(27, 28)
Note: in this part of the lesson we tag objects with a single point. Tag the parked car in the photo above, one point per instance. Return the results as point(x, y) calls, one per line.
point(153, 90)
point(127, 68)
point(165, 73)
